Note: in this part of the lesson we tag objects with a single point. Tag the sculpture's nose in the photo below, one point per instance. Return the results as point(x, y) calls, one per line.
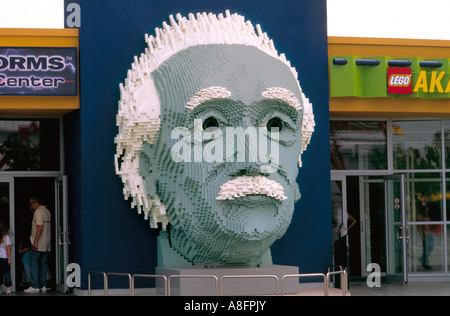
point(251, 170)
point(251, 149)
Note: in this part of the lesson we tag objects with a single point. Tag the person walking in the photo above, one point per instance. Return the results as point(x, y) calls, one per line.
point(40, 246)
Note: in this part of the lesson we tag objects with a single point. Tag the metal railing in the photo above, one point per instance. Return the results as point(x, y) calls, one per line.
point(105, 282)
point(343, 276)
point(219, 285)
point(121, 274)
point(308, 275)
point(131, 281)
point(253, 276)
point(149, 276)
point(195, 276)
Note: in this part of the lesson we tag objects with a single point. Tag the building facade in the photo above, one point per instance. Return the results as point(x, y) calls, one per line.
point(68, 135)
point(389, 115)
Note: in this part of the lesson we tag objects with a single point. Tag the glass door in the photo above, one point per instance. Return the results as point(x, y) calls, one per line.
point(62, 233)
point(372, 222)
point(339, 215)
point(338, 207)
point(396, 230)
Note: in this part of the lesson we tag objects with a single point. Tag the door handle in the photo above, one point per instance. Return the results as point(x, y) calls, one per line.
point(407, 233)
point(64, 237)
point(61, 237)
point(400, 235)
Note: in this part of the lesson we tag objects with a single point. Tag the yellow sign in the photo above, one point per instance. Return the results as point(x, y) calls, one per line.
point(433, 85)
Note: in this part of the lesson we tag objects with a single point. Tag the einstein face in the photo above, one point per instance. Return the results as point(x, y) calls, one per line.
point(225, 159)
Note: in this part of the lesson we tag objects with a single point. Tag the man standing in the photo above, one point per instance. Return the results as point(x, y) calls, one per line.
point(40, 241)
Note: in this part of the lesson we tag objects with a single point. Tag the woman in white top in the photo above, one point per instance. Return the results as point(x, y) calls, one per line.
point(5, 258)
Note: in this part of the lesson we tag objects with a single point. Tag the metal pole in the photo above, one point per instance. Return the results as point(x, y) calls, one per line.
point(121, 274)
point(105, 282)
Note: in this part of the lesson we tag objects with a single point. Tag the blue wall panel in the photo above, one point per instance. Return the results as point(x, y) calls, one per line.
point(107, 234)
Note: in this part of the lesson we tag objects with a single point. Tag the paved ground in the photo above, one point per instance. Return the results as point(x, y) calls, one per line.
point(410, 289)
point(386, 289)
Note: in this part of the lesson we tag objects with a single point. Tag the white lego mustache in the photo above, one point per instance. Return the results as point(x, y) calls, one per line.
point(251, 185)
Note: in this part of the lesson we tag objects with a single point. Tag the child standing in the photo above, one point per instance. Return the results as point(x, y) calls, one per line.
point(24, 250)
point(5, 258)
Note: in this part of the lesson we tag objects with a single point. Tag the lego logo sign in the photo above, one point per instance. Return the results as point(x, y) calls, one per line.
point(399, 81)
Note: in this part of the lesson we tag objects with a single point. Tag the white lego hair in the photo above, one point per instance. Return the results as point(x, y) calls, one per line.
point(139, 111)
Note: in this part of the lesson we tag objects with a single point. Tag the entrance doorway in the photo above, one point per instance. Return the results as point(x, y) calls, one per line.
point(15, 193)
point(24, 188)
point(367, 205)
point(362, 152)
point(377, 206)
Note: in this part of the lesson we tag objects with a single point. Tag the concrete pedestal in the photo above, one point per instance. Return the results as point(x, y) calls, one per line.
point(230, 286)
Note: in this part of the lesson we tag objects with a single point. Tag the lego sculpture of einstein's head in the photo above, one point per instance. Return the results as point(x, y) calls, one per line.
point(212, 123)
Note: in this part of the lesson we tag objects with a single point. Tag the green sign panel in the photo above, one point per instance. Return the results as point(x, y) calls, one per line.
point(382, 76)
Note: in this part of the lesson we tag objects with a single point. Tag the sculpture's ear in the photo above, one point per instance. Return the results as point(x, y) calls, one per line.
point(145, 181)
point(308, 124)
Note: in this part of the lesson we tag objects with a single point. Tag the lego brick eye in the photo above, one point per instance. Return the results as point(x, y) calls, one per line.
point(210, 123)
point(274, 123)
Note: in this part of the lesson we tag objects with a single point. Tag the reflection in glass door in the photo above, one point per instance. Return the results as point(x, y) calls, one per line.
point(425, 215)
point(340, 228)
point(396, 230)
point(338, 207)
point(372, 217)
